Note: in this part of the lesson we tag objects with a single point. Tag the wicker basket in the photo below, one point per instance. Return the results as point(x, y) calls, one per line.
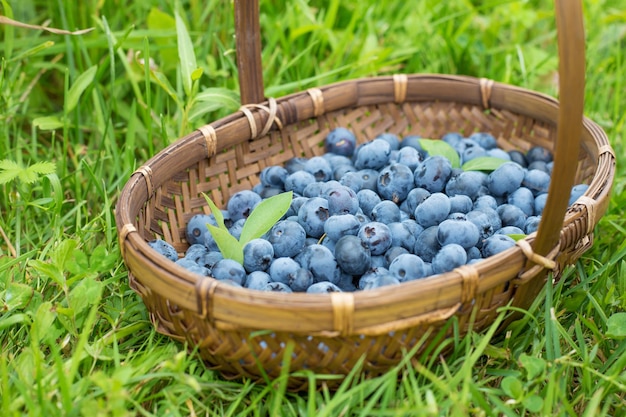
point(246, 333)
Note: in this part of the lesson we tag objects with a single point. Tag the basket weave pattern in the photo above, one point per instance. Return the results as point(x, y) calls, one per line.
point(238, 331)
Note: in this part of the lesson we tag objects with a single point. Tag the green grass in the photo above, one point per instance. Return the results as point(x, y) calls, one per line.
point(75, 339)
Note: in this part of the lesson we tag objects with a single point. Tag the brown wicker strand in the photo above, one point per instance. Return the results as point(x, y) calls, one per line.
point(123, 234)
point(317, 97)
point(146, 172)
point(533, 256)
point(271, 109)
point(486, 87)
point(210, 136)
point(205, 290)
point(400, 83)
point(469, 274)
point(253, 129)
point(590, 204)
point(343, 312)
point(606, 149)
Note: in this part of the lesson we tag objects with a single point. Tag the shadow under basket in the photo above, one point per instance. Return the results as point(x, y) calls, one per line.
point(239, 331)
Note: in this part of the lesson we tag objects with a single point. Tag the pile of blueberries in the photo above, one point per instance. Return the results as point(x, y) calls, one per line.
point(379, 213)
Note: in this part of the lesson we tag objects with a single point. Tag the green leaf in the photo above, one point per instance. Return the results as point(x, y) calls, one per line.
point(213, 99)
point(533, 403)
point(227, 243)
point(44, 317)
point(164, 83)
point(483, 163)
point(264, 216)
point(85, 294)
point(48, 123)
point(83, 81)
point(79, 263)
point(185, 54)
point(616, 326)
point(9, 170)
point(512, 387)
point(534, 366)
point(217, 213)
point(35, 171)
point(516, 236)
point(439, 147)
point(17, 296)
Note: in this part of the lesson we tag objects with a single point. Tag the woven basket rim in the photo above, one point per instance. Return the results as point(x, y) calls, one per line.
point(201, 293)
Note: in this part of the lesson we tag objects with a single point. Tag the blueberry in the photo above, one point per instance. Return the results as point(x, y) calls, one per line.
point(195, 252)
point(341, 200)
point(287, 238)
point(415, 197)
point(509, 230)
point(537, 181)
point(394, 182)
point(273, 176)
point(433, 174)
point(461, 232)
point(404, 233)
point(229, 269)
point(449, 257)
point(412, 141)
point(433, 210)
point(336, 160)
point(485, 140)
point(210, 259)
point(312, 216)
point(353, 255)
point(340, 141)
point(352, 180)
point(277, 287)
point(302, 279)
point(485, 201)
point(373, 155)
point(499, 153)
point(524, 199)
point(577, 191)
point(392, 139)
point(469, 183)
point(452, 138)
point(313, 189)
point(492, 216)
point(473, 253)
point(164, 248)
point(319, 168)
point(496, 244)
point(197, 230)
point(323, 287)
point(192, 266)
point(373, 274)
point(386, 212)
point(346, 283)
point(295, 164)
point(505, 179)
point(539, 166)
point(382, 280)
point(257, 255)
point(532, 224)
point(427, 244)
point(540, 203)
point(376, 236)
point(267, 192)
point(235, 229)
point(511, 215)
point(484, 225)
point(473, 153)
point(367, 200)
point(241, 204)
point(461, 203)
point(380, 261)
point(393, 252)
point(538, 153)
point(298, 181)
point(283, 270)
point(370, 178)
point(341, 225)
point(407, 267)
point(321, 262)
point(410, 157)
point(257, 280)
point(519, 158)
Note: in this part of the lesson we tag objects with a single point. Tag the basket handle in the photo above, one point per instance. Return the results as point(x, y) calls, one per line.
point(571, 46)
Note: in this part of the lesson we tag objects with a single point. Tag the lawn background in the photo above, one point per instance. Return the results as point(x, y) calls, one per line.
point(78, 114)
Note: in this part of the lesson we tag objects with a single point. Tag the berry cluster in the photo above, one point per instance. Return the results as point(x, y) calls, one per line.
point(380, 213)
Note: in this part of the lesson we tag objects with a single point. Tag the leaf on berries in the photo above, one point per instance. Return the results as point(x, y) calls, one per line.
point(264, 216)
point(217, 213)
point(483, 163)
point(439, 147)
point(227, 243)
